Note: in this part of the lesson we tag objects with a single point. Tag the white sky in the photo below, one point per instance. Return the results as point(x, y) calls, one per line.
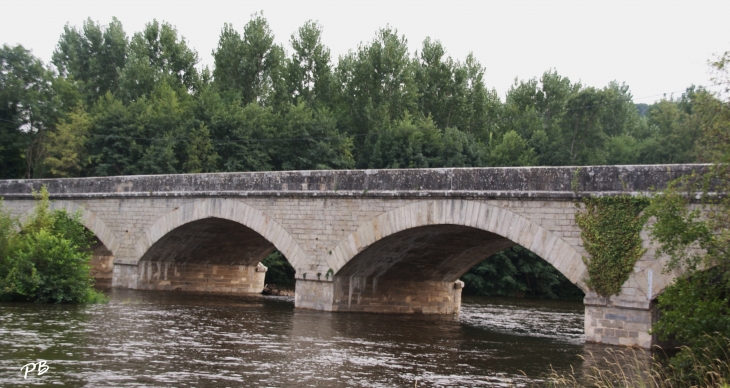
point(655, 47)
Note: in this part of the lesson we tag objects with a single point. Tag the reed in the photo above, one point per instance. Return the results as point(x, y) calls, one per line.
point(704, 367)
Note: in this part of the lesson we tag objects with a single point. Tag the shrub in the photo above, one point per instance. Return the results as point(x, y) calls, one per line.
point(279, 271)
point(48, 260)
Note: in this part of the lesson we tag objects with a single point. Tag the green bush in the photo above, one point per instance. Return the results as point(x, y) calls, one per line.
point(48, 260)
point(279, 271)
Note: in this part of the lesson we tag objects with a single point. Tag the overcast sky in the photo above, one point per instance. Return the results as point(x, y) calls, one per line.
point(655, 47)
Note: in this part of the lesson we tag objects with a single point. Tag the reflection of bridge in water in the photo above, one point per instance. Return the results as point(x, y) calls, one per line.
point(384, 241)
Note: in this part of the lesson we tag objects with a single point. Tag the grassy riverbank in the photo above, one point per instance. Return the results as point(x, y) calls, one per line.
point(706, 367)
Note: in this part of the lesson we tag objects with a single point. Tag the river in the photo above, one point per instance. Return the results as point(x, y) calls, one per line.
point(161, 339)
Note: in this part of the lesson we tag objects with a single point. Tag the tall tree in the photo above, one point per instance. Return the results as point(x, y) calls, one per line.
point(27, 111)
point(310, 69)
point(442, 88)
point(251, 65)
point(484, 104)
point(157, 54)
point(453, 93)
point(66, 148)
point(92, 57)
point(535, 110)
point(309, 140)
point(378, 87)
point(114, 139)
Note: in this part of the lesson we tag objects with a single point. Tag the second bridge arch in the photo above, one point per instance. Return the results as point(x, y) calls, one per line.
point(409, 260)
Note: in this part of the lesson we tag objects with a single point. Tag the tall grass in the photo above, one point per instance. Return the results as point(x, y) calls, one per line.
point(706, 367)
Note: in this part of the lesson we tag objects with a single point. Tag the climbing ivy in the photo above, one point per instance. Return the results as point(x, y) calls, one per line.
point(610, 228)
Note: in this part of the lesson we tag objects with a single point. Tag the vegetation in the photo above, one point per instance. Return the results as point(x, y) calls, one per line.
point(279, 272)
point(635, 369)
point(47, 261)
point(610, 228)
point(113, 104)
point(517, 271)
point(695, 308)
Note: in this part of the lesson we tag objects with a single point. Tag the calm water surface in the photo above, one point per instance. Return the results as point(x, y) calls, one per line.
point(159, 339)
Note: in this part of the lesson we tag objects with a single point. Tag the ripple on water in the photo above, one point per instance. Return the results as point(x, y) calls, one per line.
point(166, 339)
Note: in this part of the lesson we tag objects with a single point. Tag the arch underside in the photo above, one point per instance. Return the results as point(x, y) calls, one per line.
point(207, 255)
point(102, 265)
point(427, 253)
point(414, 271)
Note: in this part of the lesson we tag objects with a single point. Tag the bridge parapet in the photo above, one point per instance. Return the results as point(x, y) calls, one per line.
point(497, 182)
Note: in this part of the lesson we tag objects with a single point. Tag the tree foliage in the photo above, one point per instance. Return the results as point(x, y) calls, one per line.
point(518, 272)
point(48, 260)
point(279, 272)
point(610, 228)
point(695, 308)
point(138, 103)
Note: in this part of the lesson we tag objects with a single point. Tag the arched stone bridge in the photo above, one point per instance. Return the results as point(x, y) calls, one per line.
point(385, 241)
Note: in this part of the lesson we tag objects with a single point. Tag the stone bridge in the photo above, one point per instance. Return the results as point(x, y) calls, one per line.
point(382, 241)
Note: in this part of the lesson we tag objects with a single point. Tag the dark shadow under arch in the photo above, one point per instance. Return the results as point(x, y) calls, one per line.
point(206, 255)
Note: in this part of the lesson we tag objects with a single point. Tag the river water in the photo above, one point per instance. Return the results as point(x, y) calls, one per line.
point(160, 339)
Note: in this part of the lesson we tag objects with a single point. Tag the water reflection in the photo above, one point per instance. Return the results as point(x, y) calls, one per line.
point(167, 339)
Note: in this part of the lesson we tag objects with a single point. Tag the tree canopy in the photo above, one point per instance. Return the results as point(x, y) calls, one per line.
point(113, 102)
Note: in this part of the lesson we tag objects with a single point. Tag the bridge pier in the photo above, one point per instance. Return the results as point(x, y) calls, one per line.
point(615, 322)
point(314, 294)
point(125, 275)
point(358, 294)
point(361, 294)
point(102, 266)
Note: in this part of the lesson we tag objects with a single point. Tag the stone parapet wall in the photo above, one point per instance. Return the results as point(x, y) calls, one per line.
point(496, 182)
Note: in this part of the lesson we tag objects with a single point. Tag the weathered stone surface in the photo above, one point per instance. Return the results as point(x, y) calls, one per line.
point(313, 295)
point(511, 182)
point(102, 266)
point(619, 326)
point(367, 240)
point(186, 276)
point(362, 294)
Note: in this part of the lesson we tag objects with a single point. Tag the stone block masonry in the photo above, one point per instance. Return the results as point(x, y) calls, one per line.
point(229, 279)
point(619, 326)
point(387, 241)
point(396, 297)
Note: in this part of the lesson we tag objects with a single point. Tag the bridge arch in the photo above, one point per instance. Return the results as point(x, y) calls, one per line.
point(470, 215)
point(200, 245)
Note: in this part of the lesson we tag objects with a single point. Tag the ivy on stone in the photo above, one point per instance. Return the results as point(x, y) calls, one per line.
point(610, 228)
